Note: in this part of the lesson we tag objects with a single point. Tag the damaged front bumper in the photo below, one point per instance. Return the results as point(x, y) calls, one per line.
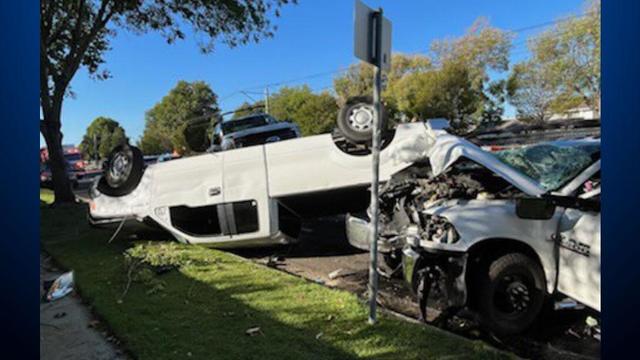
point(424, 270)
point(359, 235)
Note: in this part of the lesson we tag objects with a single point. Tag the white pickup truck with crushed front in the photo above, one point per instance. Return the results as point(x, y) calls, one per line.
point(500, 233)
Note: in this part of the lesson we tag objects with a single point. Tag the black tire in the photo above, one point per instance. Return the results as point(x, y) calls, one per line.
point(511, 293)
point(355, 119)
point(123, 171)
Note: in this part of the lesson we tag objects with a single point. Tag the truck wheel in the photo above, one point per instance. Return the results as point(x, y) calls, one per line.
point(355, 119)
point(123, 171)
point(511, 293)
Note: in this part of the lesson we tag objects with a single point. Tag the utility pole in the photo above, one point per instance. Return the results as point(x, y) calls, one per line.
point(266, 99)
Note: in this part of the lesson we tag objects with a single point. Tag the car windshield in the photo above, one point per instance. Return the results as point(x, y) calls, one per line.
point(552, 164)
point(232, 126)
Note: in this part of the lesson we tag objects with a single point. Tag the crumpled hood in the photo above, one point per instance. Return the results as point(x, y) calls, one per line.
point(443, 150)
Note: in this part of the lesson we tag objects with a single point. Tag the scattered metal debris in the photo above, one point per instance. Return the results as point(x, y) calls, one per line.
point(592, 327)
point(59, 315)
point(61, 287)
point(254, 331)
point(568, 303)
point(275, 260)
point(334, 274)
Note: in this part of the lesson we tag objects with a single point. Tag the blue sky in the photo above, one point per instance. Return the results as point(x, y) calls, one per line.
point(313, 37)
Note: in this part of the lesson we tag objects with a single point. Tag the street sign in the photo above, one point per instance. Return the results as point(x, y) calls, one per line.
point(372, 43)
point(364, 39)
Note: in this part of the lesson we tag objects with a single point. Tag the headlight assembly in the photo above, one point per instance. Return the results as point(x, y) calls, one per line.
point(439, 229)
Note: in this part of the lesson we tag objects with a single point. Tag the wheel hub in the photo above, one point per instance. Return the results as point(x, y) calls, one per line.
point(513, 296)
point(119, 167)
point(361, 118)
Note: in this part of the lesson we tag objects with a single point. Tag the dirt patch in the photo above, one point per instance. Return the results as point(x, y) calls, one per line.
point(67, 328)
point(323, 250)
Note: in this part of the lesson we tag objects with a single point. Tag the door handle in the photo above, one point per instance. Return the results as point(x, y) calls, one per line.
point(214, 191)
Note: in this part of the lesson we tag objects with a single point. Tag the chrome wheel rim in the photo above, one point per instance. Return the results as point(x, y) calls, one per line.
point(361, 118)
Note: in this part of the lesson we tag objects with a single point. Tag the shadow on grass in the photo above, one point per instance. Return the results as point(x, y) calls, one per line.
point(203, 310)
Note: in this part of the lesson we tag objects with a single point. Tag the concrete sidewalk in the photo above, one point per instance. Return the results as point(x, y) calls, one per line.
point(67, 328)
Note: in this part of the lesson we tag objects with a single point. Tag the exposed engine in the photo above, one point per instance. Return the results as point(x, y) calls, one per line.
point(404, 199)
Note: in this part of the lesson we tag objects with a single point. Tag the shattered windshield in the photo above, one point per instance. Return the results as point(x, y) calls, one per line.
point(242, 124)
point(552, 164)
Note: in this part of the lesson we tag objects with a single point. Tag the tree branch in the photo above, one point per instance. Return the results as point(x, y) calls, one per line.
point(74, 58)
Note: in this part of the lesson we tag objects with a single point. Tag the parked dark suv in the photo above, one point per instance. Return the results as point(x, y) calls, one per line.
point(255, 129)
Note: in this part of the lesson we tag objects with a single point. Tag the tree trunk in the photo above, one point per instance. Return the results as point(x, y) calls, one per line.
point(50, 129)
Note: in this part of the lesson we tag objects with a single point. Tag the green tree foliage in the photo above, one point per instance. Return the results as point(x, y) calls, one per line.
point(567, 59)
point(446, 92)
point(452, 82)
point(103, 134)
point(77, 33)
point(314, 113)
point(166, 121)
point(533, 91)
point(248, 109)
point(480, 49)
point(357, 80)
point(493, 100)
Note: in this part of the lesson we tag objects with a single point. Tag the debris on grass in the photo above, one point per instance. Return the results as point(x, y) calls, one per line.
point(319, 335)
point(334, 274)
point(275, 260)
point(61, 287)
point(253, 331)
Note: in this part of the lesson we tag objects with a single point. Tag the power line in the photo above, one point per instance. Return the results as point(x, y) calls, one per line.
point(279, 83)
point(552, 22)
point(246, 90)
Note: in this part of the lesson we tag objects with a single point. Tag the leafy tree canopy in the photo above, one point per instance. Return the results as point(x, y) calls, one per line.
point(77, 33)
point(358, 78)
point(441, 93)
point(103, 134)
point(166, 121)
point(568, 55)
point(248, 109)
point(314, 113)
point(533, 91)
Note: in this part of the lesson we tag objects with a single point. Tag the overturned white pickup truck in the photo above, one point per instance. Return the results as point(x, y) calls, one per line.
point(251, 196)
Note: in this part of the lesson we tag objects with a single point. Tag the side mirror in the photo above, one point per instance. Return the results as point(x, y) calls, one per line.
point(535, 208)
point(196, 136)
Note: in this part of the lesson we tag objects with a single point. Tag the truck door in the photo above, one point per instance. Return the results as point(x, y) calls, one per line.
point(198, 210)
point(579, 254)
point(246, 194)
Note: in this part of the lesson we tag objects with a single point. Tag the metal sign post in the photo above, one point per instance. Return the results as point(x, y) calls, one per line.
point(372, 43)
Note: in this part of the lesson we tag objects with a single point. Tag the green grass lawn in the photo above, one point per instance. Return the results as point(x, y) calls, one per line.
point(202, 308)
